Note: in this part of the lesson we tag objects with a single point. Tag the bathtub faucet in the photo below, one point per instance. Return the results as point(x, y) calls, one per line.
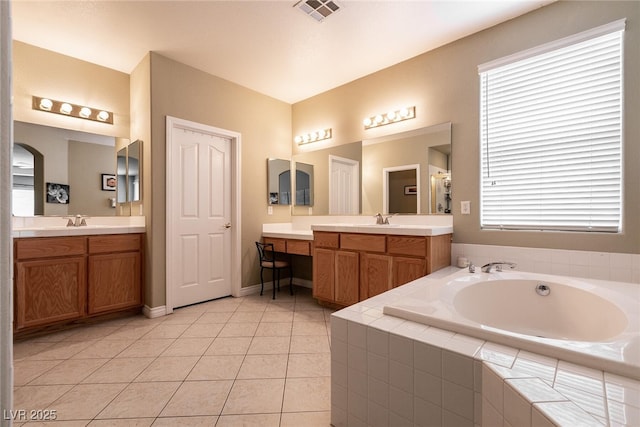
point(487, 268)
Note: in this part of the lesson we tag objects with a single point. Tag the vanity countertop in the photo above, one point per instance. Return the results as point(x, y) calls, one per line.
point(305, 231)
point(52, 226)
point(397, 229)
point(53, 231)
point(286, 231)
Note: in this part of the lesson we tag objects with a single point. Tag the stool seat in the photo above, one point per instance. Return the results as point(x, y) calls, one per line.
point(274, 264)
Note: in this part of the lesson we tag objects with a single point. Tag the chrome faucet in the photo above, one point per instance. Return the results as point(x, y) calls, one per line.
point(487, 268)
point(76, 221)
point(380, 220)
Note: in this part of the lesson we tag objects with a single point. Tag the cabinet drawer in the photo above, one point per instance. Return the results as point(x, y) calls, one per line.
point(299, 247)
point(279, 245)
point(114, 243)
point(48, 247)
point(326, 240)
point(404, 245)
point(363, 242)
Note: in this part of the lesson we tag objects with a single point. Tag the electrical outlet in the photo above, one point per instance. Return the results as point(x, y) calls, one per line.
point(465, 207)
point(269, 210)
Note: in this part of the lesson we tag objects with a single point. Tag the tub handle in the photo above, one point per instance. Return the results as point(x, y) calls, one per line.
point(542, 289)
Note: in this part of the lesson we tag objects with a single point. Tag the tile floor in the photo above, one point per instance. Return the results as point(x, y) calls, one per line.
point(248, 361)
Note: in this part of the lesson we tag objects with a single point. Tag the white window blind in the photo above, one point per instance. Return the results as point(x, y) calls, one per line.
point(551, 139)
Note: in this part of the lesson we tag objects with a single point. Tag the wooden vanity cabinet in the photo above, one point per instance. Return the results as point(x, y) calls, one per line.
point(289, 246)
point(351, 267)
point(115, 273)
point(50, 280)
point(64, 279)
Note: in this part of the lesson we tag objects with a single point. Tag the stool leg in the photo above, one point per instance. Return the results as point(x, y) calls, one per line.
point(291, 279)
point(276, 276)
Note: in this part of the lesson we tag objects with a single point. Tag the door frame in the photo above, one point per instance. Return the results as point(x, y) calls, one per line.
point(236, 228)
point(385, 185)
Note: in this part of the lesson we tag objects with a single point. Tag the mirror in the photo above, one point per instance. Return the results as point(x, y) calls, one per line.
point(134, 171)
point(319, 161)
point(304, 184)
point(77, 163)
point(426, 151)
point(121, 160)
point(279, 181)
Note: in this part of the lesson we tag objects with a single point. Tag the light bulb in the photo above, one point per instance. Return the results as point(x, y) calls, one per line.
point(298, 139)
point(46, 104)
point(103, 116)
point(391, 115)
point(66, 108)
point(378, 119)
point(367, 122)
point(85, 112)
point(404, 112)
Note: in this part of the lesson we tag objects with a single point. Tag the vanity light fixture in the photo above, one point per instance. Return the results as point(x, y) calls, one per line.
point(73, 110)
point(390, 117)
point(318, 135)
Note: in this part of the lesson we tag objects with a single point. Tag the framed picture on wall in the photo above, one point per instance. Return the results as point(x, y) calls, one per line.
point(410, 190)
point(108, 182)
point(57, 193)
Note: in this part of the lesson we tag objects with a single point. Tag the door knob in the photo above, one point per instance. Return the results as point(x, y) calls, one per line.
point(227, 225)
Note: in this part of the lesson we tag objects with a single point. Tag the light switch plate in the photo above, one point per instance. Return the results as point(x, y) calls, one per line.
point(465, 207)
point(269, 210)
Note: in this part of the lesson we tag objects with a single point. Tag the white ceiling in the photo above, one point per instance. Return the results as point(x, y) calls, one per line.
point(268, 46)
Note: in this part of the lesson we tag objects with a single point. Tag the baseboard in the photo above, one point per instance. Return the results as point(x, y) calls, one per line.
point(154, 312)
point(255, 289)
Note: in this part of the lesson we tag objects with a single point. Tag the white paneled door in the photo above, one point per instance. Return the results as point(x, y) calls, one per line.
point(198, 215)
point(344, 186)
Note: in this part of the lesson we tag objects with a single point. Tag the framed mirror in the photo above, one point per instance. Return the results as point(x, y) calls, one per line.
point(66, 159)
point(426, 150)
point(279, 181)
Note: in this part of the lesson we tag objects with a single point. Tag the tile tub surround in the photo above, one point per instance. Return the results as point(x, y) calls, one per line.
point(590, 322)
point(618, 267)
point(388, 371)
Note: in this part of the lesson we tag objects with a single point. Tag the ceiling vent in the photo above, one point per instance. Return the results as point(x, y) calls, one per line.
point(318, 9)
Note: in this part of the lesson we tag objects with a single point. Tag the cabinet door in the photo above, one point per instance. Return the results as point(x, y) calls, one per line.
point(323, 274)
point(407, 269)
point(439, 248)
point(49, 291)
point(376, 274)
point(347, 269)
point(115, 282)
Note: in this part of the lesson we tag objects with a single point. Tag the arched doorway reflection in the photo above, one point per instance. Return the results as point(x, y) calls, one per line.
point(28, 182)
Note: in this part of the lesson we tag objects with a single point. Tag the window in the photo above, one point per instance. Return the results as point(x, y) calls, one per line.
point(551, 135)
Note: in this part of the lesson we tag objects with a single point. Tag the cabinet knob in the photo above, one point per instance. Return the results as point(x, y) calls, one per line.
point(227, 225)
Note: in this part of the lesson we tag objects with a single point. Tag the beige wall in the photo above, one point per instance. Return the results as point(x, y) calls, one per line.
point(265, 127)
point(48, 74)
point(443, 85)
